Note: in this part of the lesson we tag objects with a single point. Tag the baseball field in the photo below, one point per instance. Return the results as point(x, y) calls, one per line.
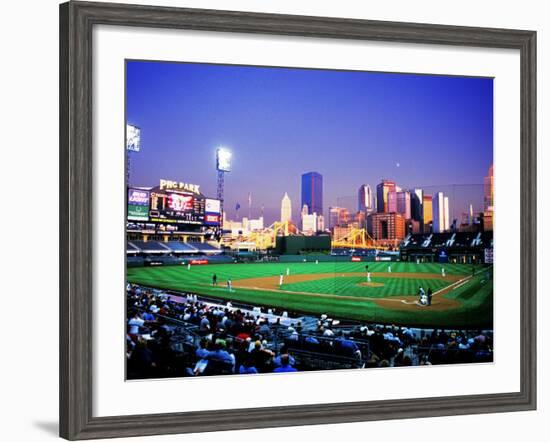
point(462, 296)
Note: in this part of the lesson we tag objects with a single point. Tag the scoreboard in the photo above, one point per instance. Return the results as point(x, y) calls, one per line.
point(177, 207)
point(173, 204)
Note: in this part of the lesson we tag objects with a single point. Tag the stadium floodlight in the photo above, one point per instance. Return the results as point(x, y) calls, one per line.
point(223, 159)
point(133, 138)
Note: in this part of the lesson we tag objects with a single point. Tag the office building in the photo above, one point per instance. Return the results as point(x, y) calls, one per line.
point(488, 200)
point(312, 223)
point(365, 199)
point(392, 201)
point(338, 216)
point(312, 192)
point(427, 213)
point(388, 227)
point(382, 191)
point(441, 221)
point(404, 204)
point(488, 191)
point(416, 204)
point(286, 208)
point(446, 213)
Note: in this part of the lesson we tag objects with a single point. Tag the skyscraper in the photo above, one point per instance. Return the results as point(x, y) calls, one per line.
point(488, 191)
point(416, 204)
point(382, 191)
point(286, 209)
point(365, 199)
point(388, 227)
point(440, 213)
point(338, 216)
point(311, 223)
point(488, 200)
point(359, 219)
point(427, 212)
point(312, 192)
point(446, 213)
point(303, 214)
point(404, 204)
point(392, 202)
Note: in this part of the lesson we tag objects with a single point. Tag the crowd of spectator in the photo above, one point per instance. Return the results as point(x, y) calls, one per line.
point(181, 335)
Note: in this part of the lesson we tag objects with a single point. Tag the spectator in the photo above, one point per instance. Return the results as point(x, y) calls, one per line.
point(141, 364)
point(219, 360)
point(262, 357)
point(248, 367)
point(285, 365)
point(135, 323)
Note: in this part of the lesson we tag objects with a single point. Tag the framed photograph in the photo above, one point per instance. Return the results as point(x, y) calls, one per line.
point(313, 220)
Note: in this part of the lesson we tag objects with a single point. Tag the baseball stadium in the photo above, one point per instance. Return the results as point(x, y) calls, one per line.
point(254, 243)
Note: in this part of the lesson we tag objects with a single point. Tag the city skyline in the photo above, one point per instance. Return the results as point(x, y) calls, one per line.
point(353, 128)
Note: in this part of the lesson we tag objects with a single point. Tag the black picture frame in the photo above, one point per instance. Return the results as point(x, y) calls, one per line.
point(77, 20)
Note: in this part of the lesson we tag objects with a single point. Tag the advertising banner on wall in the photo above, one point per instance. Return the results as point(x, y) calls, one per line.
point(212, 206)
point(212, 212)
point(138, 205)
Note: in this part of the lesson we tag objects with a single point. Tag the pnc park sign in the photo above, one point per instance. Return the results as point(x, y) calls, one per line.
point(176, 185)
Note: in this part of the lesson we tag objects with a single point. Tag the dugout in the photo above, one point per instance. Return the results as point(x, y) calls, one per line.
point(300, 245)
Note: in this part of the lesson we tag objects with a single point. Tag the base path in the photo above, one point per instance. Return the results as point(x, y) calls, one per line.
point(370, 284)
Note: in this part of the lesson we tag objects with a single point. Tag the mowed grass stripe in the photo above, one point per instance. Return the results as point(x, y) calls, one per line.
point(350, 286)
point(241, 271)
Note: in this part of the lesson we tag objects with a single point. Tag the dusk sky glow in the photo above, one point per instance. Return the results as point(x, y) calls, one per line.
point(351, 127)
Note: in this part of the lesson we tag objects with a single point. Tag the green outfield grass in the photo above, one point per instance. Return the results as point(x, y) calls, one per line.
point(473, 307)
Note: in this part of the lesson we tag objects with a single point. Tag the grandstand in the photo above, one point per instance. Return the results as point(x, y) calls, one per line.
point(454, 247)
point(131, 249)
point(149, 247)
point(140, 247)
point(199, 337)
point(181, 247)
point(207, 249)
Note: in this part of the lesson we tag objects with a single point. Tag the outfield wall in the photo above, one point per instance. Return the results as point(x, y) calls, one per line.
point(140, 261)
point(320, 258)
point(338, 258)
point(292, 245)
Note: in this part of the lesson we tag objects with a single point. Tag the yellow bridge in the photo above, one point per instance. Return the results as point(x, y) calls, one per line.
point(356, 238)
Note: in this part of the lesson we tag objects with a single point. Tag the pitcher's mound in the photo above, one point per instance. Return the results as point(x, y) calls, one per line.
point(371, 284)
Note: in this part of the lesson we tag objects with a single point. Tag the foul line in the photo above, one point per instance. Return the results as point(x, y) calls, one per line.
point(448, 288)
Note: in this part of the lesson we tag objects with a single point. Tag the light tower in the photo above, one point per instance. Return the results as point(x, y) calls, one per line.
point(133, 144)
point(223, 165)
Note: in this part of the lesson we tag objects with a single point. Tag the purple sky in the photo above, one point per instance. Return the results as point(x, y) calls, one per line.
point(352, 127)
